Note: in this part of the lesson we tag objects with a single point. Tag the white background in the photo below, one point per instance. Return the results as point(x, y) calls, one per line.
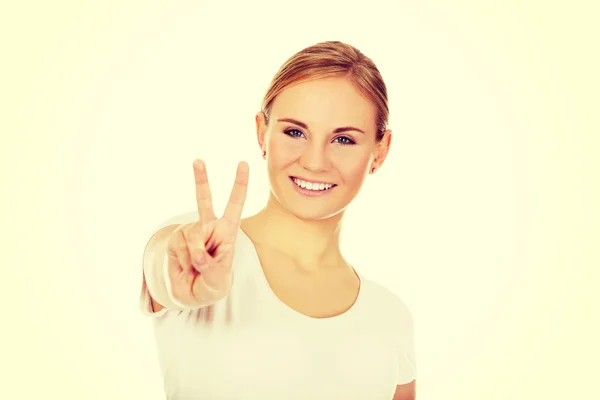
point(483, 218)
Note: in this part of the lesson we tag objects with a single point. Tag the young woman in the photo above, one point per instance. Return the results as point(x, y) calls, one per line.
point(267, 307)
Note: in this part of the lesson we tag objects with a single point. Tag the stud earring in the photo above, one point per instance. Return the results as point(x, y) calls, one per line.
point(264, 153)
point(373, 169)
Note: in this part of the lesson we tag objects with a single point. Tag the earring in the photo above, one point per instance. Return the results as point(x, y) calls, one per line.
point(264, 153)
point(373, 169)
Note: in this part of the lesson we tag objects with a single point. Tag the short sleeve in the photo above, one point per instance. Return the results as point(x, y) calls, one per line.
point(145, 301)
point(407, 360)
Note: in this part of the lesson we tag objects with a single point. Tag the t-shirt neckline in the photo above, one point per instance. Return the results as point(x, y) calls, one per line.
point(346, 314)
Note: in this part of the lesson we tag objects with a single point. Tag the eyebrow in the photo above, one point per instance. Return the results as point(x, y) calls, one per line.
point(303, 125)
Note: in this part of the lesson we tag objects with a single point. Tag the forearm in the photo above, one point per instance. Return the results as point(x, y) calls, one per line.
point(155, 269)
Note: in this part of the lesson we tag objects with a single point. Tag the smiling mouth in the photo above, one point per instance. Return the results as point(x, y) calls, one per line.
point(314, 186)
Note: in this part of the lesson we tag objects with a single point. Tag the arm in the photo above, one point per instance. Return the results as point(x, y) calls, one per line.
point(407, 364)
point(406, 391)
point(189, 266)
point(154, 264)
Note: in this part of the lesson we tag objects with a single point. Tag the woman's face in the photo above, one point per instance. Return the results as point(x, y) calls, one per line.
point(320, 144)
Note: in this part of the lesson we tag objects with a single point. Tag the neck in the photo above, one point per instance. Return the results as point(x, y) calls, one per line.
point(312, 244)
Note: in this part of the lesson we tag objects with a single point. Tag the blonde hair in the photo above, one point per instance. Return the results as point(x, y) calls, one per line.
point(333, 59)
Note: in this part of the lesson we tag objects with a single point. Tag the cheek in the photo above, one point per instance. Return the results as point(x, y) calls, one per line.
point(352, 164)
point(283, 152)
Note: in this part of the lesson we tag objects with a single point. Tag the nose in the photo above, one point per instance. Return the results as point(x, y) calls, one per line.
point(314, 158)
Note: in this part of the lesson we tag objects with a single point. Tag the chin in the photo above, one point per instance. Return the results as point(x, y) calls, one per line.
point(307, 214)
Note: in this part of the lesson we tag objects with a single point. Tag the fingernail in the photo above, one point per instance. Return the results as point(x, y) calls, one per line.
point(200, 261)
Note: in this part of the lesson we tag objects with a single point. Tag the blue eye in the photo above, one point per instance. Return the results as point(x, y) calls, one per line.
point(293, 133)
point(345, 140)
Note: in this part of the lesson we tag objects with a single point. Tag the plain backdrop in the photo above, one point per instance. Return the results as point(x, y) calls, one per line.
point(484, 218)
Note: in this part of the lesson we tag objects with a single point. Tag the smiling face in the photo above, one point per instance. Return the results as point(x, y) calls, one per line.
point(321, 144)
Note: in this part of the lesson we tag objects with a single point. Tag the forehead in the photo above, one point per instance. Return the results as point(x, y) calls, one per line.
point(325, 103)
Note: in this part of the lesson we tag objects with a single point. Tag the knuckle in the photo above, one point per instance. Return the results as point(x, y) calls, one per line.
point(175, 238)
point(184, 261)
point(173, 261)
point(194, 240)
point(196, 246)
point(197, 257)
point(181, 246)
point(193, 232)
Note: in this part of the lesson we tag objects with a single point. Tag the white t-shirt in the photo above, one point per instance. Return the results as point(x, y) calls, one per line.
point(252, 346)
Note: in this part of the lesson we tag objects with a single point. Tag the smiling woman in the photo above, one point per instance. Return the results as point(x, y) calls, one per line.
point(267, 307)
point(324, 130)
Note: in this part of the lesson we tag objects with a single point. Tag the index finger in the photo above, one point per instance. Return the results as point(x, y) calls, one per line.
point(203, 195)
point(233, 210)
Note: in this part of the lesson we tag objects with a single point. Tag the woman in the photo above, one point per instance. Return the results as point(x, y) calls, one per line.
point(266, 307)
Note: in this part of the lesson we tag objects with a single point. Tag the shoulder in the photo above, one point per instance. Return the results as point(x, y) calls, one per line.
point(391, 303)
point(398, 321)
point(389, 311)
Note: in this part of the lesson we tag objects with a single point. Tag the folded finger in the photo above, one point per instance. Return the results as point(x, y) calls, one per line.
point(195, 241)
point(178, 253)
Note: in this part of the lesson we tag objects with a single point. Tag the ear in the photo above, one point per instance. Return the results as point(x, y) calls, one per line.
point(261, 130)
point(381, 151)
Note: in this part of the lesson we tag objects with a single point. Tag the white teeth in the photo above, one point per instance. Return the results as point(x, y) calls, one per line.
point(312, 186)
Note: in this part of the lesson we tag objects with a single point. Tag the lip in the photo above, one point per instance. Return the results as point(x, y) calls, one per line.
point(310, 193)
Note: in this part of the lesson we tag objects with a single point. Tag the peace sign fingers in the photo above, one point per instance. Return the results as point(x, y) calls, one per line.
point(233, 210)
point(201, 253)
point(203, 194)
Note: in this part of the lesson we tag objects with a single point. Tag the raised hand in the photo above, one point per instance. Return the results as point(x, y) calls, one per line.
point(201, 253)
